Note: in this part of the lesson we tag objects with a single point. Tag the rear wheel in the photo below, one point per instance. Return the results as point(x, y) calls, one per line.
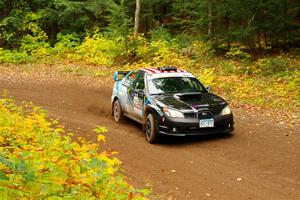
point(118, 112)
point(150, 129)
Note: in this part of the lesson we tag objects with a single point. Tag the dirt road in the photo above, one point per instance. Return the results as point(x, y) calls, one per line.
point(260, 161)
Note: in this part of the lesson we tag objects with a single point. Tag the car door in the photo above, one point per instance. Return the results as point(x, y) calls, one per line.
point(138, 96)
point(128, 91)
point(134, 94)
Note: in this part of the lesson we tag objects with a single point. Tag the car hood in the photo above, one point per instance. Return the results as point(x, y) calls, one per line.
point(192, 101)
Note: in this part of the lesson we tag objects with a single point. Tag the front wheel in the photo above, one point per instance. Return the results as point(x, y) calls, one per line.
point(118, 112)
point(150, 129)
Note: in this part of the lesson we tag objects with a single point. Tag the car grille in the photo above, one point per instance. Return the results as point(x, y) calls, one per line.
point(199, 115)
point(190, 115)
point(205, 115)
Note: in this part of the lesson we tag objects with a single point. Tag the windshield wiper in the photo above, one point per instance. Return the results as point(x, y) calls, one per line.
point(161, 93)
point(188, 93)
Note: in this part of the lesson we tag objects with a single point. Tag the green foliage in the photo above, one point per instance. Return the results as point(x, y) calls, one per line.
point(119, 20)
point(35, 46)
point(35, 43)
point(293, 82)
point(238, 52)
point(38, 160)
point(160, 34)
point(201, 49)
point(100, 50)
point(32, 48)
point(270, 66)
point(159, 53)
point(228, 67)
point(66, 44)
point(32, 45)
point(208, 77)
point(268, 93)
point(7, 56)
point(252, 23)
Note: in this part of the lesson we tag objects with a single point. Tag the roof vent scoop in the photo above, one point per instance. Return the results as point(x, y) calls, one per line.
point(167, 68)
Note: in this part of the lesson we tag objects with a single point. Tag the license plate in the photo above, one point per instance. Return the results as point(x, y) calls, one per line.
point(204, 123)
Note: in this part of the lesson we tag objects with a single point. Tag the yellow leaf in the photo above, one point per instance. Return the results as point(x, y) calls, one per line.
point(101, 137)
point(100, 129)
point(1, 139)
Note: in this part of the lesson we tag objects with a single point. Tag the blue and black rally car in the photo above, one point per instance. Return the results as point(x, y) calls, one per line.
point(169, 101)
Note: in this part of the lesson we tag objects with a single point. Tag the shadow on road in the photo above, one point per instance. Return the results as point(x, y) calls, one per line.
point(184, 140)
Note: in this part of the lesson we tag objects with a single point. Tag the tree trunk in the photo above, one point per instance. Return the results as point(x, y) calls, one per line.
point(258, 40)
point(266, 40)
point(137, 18)
point(227, 23)
point(285, 30)
point(226, 20)
point(209, 28)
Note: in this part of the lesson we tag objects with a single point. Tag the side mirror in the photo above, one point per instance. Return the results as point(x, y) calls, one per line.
point(116, 76)
point(208, 88)
point(119, 75)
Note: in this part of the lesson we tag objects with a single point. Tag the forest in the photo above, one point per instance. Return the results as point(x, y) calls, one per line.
point(258, 24)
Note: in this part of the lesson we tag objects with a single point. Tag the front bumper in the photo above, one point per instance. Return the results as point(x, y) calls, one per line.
point(184, 127)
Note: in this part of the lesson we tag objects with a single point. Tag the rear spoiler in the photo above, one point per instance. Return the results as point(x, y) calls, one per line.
point(119, 75)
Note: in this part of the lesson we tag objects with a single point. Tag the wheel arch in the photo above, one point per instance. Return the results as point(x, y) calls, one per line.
point(150, 109)
point(154, 130)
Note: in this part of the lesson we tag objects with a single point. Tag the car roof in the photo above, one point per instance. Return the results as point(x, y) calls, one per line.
point(160, 70)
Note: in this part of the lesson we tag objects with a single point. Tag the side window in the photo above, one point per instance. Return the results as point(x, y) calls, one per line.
point(139, 82)
point(130, 79)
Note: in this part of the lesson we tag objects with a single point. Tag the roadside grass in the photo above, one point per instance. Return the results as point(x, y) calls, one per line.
point(259, 91)
point(39, 160)
point(83, 71)
point(79, 71)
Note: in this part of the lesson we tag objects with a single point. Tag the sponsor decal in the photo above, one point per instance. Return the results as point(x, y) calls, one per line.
point(137, 105)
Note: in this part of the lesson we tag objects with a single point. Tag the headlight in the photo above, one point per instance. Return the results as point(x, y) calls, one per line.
point(173, 113)
point(226, 111)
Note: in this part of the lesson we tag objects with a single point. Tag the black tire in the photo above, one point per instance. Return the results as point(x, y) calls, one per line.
point(117, 111)
point(150, 129)
point(229, 133)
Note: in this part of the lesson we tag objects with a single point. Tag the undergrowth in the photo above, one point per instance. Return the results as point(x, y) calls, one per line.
point(39, 160)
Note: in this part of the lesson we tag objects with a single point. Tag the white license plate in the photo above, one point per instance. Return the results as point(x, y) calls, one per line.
point(204, 123)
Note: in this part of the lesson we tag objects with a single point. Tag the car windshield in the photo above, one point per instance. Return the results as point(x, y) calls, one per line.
point(174, 85)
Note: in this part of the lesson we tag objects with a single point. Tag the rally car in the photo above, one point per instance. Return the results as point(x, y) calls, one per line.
point(169, 101)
